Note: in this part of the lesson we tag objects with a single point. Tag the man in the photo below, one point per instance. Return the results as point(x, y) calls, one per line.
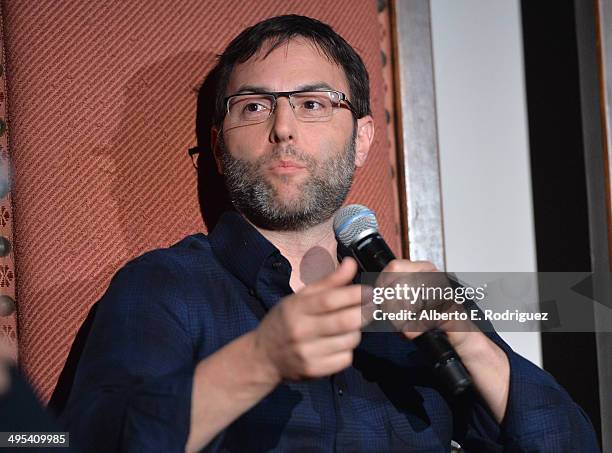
point(248, 339)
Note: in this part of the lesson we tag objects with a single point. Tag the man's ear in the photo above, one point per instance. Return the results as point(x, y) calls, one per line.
point(214, 145)
point(364, 139)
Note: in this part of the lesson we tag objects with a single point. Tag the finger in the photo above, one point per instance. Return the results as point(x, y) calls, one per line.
point(330, 300)
point(325, 346)
point(338, 322)
point(305, 328)
point(399, 265)
point(425, 266)
point(343, 275)
point(368, 307)
point(329, 365)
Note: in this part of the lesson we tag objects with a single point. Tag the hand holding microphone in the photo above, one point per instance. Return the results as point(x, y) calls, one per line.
point(357, 229)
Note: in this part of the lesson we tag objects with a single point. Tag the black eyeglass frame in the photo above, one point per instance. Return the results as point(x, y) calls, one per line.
point(287, 94)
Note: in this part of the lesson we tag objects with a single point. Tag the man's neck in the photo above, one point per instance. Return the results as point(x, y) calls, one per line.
point(311, 252)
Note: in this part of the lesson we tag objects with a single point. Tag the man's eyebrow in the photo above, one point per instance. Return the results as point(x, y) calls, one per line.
point(314, 86)
point(263, 89)
point(252, 89)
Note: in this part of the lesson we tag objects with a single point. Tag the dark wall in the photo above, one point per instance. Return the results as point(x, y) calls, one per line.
point(559, 183)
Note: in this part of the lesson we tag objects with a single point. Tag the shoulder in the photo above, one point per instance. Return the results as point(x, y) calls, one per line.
point(157, 286)
point(165, 273)
point(182, 260)
point(188, 251)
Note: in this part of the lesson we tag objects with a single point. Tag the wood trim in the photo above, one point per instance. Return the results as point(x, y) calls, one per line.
point(594, 38)
point(418, 159)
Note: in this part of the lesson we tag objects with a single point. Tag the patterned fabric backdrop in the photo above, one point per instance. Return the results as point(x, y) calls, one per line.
point(102, 113)
point(8, 321)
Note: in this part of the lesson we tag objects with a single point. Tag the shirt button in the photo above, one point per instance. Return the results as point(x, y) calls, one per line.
point(251, 292)
point(340, 392)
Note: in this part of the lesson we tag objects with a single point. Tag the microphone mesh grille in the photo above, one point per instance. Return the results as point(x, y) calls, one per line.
point(350, 221)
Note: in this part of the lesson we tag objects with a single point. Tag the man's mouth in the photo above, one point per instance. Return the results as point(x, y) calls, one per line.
point(286, 166)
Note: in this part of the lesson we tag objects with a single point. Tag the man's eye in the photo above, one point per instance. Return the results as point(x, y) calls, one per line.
point(254, 107)
point(312, 104)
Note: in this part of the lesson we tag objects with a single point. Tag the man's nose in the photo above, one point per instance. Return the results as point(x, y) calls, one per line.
point(284, 122)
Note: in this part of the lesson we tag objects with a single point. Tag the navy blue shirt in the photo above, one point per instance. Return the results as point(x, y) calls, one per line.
point(171, 308)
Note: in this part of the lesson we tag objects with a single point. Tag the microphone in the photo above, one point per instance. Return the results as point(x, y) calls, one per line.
point(356, 229)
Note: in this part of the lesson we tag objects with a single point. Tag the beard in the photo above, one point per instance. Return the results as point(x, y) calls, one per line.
point(317, 198)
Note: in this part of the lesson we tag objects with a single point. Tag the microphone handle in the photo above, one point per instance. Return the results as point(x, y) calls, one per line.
point(373, 254)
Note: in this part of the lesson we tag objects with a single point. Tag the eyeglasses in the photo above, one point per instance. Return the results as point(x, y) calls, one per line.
point(308, 106)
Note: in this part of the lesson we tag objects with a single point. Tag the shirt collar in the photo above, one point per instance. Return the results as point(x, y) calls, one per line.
point(243, 250)
point(240, 247)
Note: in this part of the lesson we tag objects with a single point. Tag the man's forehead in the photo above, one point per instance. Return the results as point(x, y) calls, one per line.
point(292, 65)
point(299, 43)
point(311, 86)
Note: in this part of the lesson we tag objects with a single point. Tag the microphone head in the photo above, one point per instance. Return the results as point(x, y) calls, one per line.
point(353, 222)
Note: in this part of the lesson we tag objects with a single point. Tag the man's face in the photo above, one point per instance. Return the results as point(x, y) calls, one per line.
point(284, 174)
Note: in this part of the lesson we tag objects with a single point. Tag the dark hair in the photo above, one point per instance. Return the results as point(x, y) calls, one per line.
point(279, 30)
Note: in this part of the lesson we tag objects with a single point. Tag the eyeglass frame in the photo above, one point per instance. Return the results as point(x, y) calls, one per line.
point(287, 94)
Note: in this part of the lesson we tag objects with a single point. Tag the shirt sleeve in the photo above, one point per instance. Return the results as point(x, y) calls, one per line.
point(132, 389)
point(540, 416)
